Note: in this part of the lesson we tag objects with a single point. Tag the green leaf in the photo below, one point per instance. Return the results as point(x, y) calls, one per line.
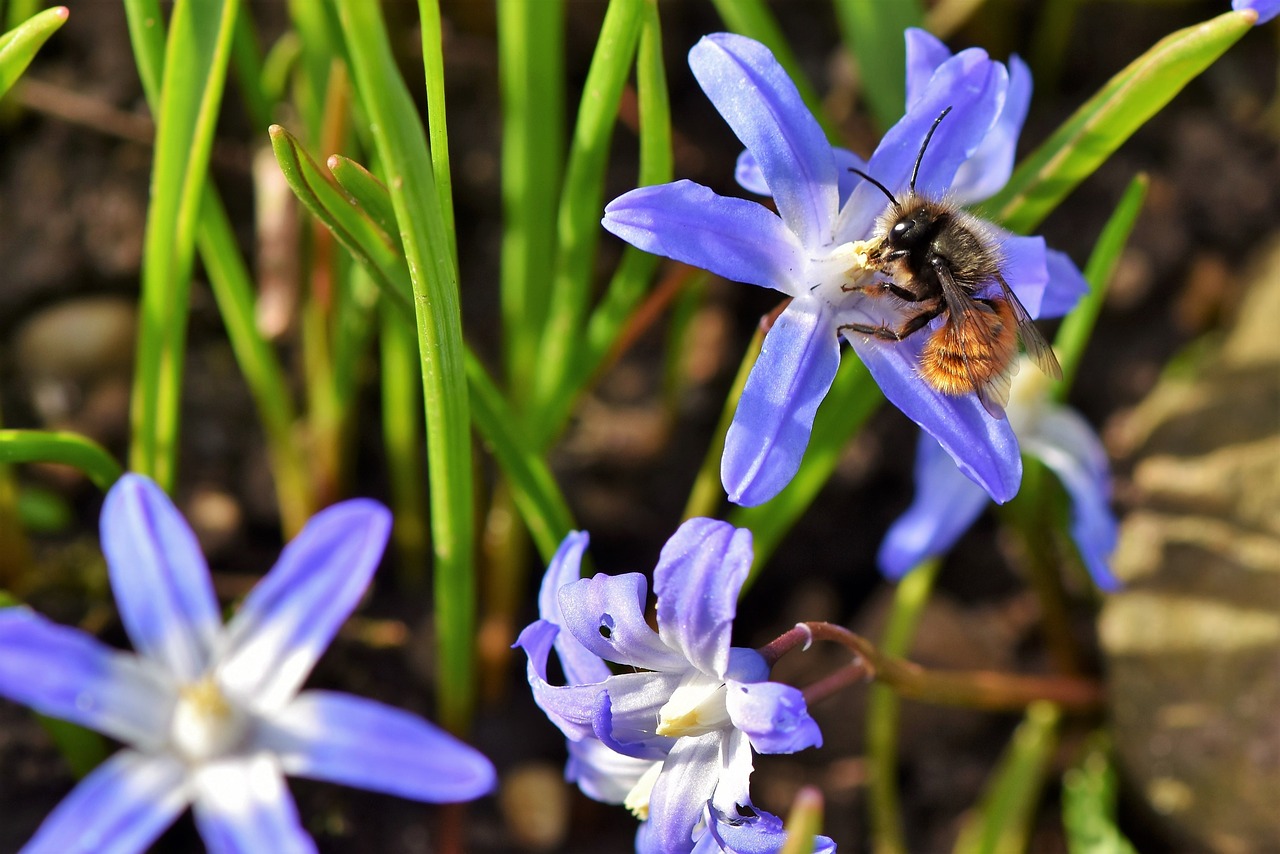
point(402, 147)
point(1107, 119)
point(1001, 823)
point(83, 749)
point(873, 31)
point(72, 449)
point(197, 53)
point(19, 45)
point(1089, 803)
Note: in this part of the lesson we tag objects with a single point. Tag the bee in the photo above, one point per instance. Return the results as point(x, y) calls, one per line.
point(937, 259)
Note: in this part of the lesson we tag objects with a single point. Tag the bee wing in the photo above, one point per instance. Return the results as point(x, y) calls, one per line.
point(1037, 348)
point(993, 394)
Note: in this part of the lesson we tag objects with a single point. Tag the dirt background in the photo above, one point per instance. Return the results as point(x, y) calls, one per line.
point(74, 169)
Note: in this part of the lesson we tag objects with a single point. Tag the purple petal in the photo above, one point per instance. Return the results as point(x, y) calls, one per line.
point(925, 52)
point(1066, 444)
point(288, 620)
point(628, 728)
point(243, 805)
point(774, 716)
point(357, 742)
point(984, 448)
point(1066, 287)
point(749, 176)
point(569, 707)
point(1025, 269)
point(67, 674)
point(606, 615)
point(761, 833)
point(1266, 9)
point(945, 505)
point(688, 779)
point(740, 240)
point(579, 664)
point(988, 170)
point(770, 430)
point(601, 773)
point(758, 100)
point(974, 87)
point(697, 580)
point(120, 808)
point(159, 577)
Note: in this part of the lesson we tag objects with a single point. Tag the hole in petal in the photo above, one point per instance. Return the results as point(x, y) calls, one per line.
point(606, 627)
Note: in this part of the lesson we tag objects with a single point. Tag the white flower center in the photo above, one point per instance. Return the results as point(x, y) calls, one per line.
point(637, 799)
point(205, 725)
point(834, 276)
point(696, 707)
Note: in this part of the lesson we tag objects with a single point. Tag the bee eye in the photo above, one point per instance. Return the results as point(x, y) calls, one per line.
point(902, 229)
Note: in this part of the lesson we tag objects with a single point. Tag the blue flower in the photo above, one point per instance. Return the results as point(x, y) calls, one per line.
point(1266, 9)
point(813, 248)
point(947, 503)
point(672, 736)
point(211, 714)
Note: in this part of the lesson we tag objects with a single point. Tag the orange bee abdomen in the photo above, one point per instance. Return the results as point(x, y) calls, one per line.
point(968, 352)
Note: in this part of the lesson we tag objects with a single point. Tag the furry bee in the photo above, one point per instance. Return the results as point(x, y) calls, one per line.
point(937, 259)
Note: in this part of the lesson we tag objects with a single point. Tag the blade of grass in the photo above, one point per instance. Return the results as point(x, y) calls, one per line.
point(578, 221)
point(1106, 120)
point(72, 449)
point(402, 436)
point(402, 146)
point(437, 125)
point(19, 45)
point(873, 33)
point(197, 53)
point(246, 59)
point(1089, 795)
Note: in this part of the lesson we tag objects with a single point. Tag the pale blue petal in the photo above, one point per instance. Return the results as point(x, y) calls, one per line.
point(697, 580)
point(774, 716)
point(347, 739)
point(945, 505)
point(688, 779)
point(579, 664)
point(634, 705)
point(761, 833)
point(925, 52)
point(1024, 269)
point(601, 773)
point(64, 673)
point(606, 615)
point(159, 577)
point(120, 808)
point(733, 788)
point(1066, 286)
point(770, 430)
point(1266, 9)
point(289, 618)
point(988, 170)
point(740, 240)
point(242, 806)
point(569, 707)
point(760, 103)
point(984, 448)
point(746, 665)
point(748, 175)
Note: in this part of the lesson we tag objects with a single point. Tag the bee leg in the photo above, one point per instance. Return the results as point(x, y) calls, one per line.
point(887, 333)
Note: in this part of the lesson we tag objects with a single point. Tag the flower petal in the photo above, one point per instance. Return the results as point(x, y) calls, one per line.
point(688, 779)
point(287, 621)
point(67, 674)
point(984, 448)
point(1025, 269)
point(1266, 9)
point(774, 716)
point(1065, 443)
point(697, 580)
point(770, 430)
point(606, 615)
point(601, 773)
point(121, 807)
point(750, 177)
point(569, 707)
point(243, 805)
point(945, 505)
point(628, 727)
point(1066, 285)
point(758, 100)
point(925, 52)
point(159, 577)
point(579, 664)
point(738, 239)
point(988, 170)
point(357, 742)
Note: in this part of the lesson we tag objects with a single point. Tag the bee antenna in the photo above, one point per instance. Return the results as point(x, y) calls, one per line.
point(864, 176)
point(924, 145)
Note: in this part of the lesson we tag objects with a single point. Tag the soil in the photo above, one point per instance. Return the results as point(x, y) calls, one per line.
point(73, 195)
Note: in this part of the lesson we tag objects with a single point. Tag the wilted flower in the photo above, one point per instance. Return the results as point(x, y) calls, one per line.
point(211, 714)
point(812, 249)
point(947, 502)
point(672, 736)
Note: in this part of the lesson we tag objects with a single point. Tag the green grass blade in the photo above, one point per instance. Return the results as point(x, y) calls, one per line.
point(578, 221)
point(402, 147)
point(367, 191)
point(402, 437)
point(1089, 795)
point(197, 53)
point(72, 449)
point(19, 45)
point(1001, 824)
point(147, 37)
point(437, 125)
point(531, 70)
point(246, 59)
point(1073, 334)
point(872, 30)
point(1107, 119)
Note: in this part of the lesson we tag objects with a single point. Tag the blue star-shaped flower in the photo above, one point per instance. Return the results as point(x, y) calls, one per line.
point(211, 714)
point(809, 249)
point(672, 737)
